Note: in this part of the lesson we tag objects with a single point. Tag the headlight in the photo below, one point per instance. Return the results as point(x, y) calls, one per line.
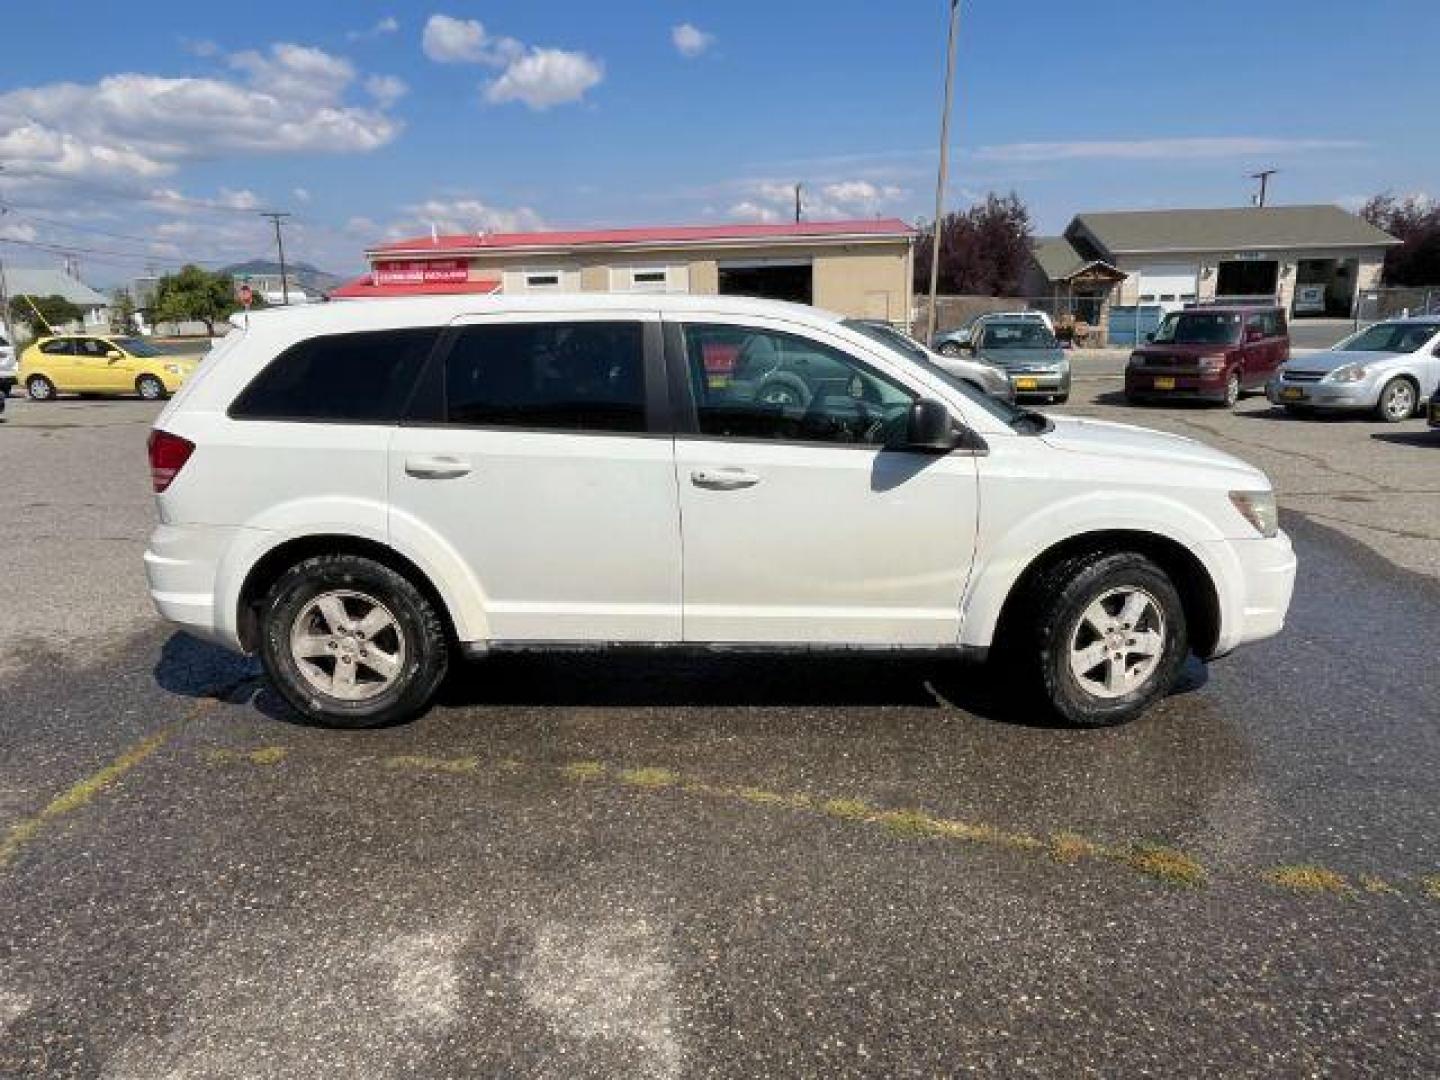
point(1258, 508)
point(1212, 363)
point(1348, 373)
point(174, 369)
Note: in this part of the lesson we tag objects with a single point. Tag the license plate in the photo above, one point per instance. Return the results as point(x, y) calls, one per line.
point(1027, 384)
point(1164, 382)
point(1292, 393)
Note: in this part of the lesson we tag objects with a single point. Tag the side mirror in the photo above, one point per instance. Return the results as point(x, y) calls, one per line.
point(930, 428)
point(113, 354)
point(1150, 336)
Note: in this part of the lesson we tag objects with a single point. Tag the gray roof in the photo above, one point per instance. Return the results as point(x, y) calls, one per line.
point(1058, 258)
point(43, 281)
point(1239, 229)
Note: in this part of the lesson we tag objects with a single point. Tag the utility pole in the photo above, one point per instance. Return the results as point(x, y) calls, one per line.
point(277, 217)
point(944, 174)
point(797, 204)
point(1264, 177)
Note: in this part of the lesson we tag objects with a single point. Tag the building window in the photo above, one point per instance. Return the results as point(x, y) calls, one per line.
point(546, 279)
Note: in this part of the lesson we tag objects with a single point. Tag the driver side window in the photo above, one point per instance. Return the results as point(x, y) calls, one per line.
point(765, 384)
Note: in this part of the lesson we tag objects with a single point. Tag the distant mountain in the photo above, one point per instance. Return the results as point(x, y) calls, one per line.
point(311, 278)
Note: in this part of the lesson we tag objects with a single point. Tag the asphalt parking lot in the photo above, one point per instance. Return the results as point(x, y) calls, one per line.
point(736, 867)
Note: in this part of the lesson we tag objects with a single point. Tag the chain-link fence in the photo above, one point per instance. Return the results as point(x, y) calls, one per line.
point(1395, 302)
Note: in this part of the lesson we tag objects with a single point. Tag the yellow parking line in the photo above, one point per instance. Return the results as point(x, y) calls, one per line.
point(83, 792)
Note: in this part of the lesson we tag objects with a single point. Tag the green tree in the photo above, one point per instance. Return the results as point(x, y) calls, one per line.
point(122, 312)
point(195, 295)
point(55, 310)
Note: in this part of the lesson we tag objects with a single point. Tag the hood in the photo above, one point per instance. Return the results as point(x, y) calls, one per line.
point(1010, 358)
point(1151, 348)
point(1330, 359)
point(1101, 437)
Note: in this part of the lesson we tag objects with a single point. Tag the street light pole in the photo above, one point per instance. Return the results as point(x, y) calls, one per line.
point(944, 174)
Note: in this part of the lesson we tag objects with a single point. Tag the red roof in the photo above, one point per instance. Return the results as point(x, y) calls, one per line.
point(364, 286)
point(680, 234)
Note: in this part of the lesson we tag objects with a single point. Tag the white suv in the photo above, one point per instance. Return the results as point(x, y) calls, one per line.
point(357, 490)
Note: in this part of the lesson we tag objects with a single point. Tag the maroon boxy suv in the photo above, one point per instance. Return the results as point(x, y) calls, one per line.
point(1209, 353)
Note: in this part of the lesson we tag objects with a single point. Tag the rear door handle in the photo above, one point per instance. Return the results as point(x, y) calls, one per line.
point(723, 479)
point(438, 467)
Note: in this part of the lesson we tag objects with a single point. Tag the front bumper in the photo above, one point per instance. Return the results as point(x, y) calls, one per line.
point(1256, 608)
point(1190, 384)
point(1047, 383)
point(1322, 395)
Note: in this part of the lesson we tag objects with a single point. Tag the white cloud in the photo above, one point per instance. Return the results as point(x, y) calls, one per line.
point(238, 200)
point(133, 127)
point(448, 40)
point(690, 40)
point(386, 89)
point(771, 200)
point(388, 25)
point(301, 194)
point(538, 77)
point(459, 215)
point(546, 77)
point(1156, 149)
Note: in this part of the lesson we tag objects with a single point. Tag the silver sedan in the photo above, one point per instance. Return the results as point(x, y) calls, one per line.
point(1390, 369)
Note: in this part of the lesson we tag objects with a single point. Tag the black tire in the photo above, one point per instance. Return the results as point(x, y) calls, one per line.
point(1299, 412)
point(426, 652)
point(1061, 596)
point(1060, 399)
point(1392, 406)
point(40, 388)
point(1232, 390)
point(150, 388)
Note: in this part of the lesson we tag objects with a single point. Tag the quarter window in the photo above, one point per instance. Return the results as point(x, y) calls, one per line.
point(362, 378)
point(579, 376)
point(765, 384)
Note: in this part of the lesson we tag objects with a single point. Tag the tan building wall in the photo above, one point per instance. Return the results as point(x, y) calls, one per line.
point(871, 280)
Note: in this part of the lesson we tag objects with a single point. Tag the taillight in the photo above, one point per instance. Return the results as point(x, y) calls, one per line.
point(168, 455)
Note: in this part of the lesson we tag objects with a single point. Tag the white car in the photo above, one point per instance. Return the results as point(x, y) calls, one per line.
point(1391, 369)
point(9, 369)
point(350, 490)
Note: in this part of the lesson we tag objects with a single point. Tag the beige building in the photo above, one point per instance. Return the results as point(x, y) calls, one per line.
point(856, 268)
point(1312, 260)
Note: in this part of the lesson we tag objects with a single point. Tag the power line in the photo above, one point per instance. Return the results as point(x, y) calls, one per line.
point(278, 216)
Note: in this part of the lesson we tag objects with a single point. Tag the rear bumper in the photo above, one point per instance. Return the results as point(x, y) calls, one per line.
point(182, 566)
point(1266, 583)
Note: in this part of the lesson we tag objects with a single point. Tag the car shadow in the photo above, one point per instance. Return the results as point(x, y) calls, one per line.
point(192, 668)
point(1425, 437)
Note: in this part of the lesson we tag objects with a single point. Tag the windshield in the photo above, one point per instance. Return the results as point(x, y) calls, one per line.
point(136, 347)
point(1199, 328)
point(1018, 334)
point(1389, 338)
point(897, 342)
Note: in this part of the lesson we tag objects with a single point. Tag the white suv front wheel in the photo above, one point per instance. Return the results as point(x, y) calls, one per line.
point(1109, 637)
point(348, 642)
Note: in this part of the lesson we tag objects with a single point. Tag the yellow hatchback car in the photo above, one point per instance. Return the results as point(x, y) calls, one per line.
point(87, 364)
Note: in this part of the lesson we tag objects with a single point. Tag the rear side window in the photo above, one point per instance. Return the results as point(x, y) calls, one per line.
point(363, 378)
point(577, 376)
point(62, 347)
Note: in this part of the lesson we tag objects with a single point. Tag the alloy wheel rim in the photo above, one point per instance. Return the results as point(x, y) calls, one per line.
point(1118, 642)
point(1401, 402)
point(348, 645)
point(149, 388)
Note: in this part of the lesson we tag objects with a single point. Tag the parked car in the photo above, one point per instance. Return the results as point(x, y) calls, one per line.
point(1028, 353)
point(1390, 368)
point(1212, 353)
point(1435, 409)
point(954, 342)
point(88, 364)
point(350, 489)
point(7, 369)
point(986, 378)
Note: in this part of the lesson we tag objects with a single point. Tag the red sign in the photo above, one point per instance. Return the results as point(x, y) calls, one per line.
point(422, 272)
point(247, 296)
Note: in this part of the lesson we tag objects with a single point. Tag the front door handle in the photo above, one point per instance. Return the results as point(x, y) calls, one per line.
point(723, 479)
point(439, 467)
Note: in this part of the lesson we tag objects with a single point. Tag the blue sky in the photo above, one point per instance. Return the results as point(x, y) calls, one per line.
point(153, 132)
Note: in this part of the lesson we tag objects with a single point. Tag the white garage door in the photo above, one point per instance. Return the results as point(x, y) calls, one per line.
point(1171, 285)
